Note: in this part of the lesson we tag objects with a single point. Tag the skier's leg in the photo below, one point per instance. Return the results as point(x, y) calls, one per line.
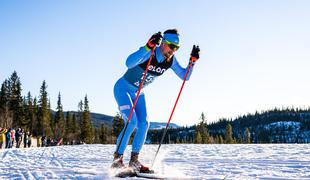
point(139, 139)
point(130, 128)
point(142, 125)
point(124, 102)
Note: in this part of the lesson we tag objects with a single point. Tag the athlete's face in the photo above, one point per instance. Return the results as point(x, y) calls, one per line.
point(167, 51)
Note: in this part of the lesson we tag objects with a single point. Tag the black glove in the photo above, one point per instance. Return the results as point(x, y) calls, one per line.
point(195, 53)
point(154, 40)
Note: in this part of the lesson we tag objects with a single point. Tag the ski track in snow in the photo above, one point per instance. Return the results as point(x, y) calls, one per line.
point(264, 161)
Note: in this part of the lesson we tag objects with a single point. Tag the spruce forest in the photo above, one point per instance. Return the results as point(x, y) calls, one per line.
point(34, 114)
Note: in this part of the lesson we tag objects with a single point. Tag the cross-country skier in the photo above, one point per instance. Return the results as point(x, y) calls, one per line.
point(127, 86)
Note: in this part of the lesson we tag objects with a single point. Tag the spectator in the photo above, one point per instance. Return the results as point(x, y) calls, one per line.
point(43, 141)
point(48, 141)
point(60, 142)
point(29, 139)
point(8, 139)
point(25, 140)
point(2, 136)
point(18, 137)
point(12, 137)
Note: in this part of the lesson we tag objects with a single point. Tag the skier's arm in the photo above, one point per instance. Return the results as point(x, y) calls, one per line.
point(179, 70)
point(138, 57)
point(143, 53)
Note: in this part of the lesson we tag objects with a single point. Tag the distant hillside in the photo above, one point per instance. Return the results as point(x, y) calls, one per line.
point(158, 125)
point(272, 126)
point(99, 119)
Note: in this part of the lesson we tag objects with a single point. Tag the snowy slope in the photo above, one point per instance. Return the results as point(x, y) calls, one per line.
point(273, 161)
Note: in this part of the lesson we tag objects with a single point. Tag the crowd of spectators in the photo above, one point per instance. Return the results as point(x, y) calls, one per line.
point(14, 138)
point(19, 138)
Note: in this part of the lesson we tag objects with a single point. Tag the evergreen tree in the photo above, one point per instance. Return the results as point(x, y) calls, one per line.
point(80, 112)
point(34, 123)
point(68, 126)
point(86, 125)
point(59, 120)
point(103, 136)
point(6, 117)
point(177, 141)
point(4, 94)
point(217, 139)
point(234, 140)
point(96, 136)
point(221, 140)
point(247, 136)
point(228, 135)
point(50, 118)
point(16, 100)
point(198, 139)
point(211, 140)
point(75, 128)
point(117, 125)
point(44, 118)
point(203, 130)
point(240, 141)
point(29, 113)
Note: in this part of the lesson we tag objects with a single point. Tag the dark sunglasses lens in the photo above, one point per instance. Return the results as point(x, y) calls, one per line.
point(173, 47)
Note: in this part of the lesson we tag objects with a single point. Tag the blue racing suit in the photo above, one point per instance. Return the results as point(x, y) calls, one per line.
point(127, 86)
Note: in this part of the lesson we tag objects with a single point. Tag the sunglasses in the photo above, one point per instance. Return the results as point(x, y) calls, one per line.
point(172, 46)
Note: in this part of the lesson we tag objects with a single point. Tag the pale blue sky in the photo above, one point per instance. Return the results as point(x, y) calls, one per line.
point(255, 55)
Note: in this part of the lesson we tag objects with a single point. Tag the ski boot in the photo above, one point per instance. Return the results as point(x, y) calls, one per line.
point(137, 166)
point(118, 161)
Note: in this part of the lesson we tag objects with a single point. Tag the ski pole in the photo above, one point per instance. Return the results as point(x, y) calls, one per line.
point(175, 104)
point(137, 97)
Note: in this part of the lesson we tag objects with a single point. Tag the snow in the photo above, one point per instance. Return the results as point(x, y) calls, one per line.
point(263, 161)
point(285, 124)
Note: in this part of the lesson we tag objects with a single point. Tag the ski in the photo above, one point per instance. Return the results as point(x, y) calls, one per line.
point(151, 175)
point(162, 176)
point(130, 172)
point(124, 172)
